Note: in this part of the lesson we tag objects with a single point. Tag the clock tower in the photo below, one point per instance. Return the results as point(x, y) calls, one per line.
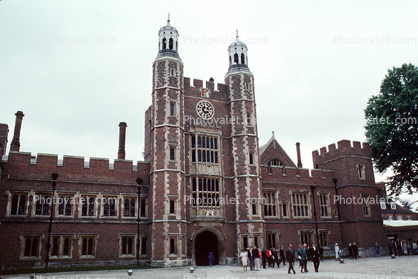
point(165, 129)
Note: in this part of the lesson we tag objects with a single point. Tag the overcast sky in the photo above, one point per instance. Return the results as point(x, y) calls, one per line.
point(78, 68)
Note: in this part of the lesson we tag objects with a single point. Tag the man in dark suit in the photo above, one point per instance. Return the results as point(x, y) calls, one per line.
point(314, 254)
point(250, 258)
point(275, 257)
point(282, 258)
point(290, 258)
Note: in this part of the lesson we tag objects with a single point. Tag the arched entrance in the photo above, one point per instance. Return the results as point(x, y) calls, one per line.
point(206, 242)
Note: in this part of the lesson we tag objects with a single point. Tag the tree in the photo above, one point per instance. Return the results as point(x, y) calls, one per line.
point(392, 128)
point(409, 204)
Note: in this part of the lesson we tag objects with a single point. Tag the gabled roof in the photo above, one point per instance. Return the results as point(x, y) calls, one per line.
point(273, 150)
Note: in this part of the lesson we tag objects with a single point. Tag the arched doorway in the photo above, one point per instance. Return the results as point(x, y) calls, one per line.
point(204, 243)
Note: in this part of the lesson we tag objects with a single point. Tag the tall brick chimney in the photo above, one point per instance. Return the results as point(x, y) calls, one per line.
point(298, 154)
point(15, 145)
point(122, 136)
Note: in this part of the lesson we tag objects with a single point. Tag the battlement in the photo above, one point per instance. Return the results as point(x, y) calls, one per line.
point(74, 168)
point(297, 175)
point(195, 89)
point(344, 147)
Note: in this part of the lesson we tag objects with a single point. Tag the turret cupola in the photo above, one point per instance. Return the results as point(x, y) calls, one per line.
point(238, 58)
point(168, 42)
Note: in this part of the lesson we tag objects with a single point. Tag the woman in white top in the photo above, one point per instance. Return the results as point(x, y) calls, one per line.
point(244, 259)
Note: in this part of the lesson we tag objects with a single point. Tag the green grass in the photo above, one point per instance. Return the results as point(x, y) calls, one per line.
point(69, 269)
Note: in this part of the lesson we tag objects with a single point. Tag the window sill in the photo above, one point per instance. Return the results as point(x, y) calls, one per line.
point(86, 257)
point(30, 258)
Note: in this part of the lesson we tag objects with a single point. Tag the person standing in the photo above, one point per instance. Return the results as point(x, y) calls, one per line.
point(282, 258)
point(337, 251)
point(377, 249)
point(275, 257)
point(392, 248)
point(314, 253)
point(290, 258)
point(264, 255)
point(257, 258)
point(211, 258)
point(303, 255)
point(399, 247)
point(250, 258)
point(321, 253)
point(244, 259)
point(355, 250)
point(350, 251)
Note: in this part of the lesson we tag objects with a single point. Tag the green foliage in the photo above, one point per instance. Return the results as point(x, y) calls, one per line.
point(392, 128)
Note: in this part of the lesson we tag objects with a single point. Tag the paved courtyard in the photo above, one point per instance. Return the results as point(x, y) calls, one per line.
point(368, 268)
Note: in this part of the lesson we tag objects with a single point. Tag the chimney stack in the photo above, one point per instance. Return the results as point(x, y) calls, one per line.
point(298, 154)
point(15, 145)
point(122, 136)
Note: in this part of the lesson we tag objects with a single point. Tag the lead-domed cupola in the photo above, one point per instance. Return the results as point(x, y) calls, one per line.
point(238, 58)
point(168, 40)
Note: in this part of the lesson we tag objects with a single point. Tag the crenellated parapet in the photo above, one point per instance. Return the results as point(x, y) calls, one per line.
point(293, 175)
point(343, 147)
point(22, 165)
point(198, 89)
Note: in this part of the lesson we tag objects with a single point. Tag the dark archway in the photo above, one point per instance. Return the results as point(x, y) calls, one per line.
point(204, 243)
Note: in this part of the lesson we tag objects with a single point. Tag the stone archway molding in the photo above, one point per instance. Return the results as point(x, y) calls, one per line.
point(220, 235)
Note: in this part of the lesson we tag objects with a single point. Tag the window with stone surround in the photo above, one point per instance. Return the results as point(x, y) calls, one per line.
point(88, 206)
point(301, 204)
point(173, 242)
point(144, 207)
point(324, 238)
point(361, 170)
point(65, 206)
point(127, 245)
point(271, 239)
point(61, 246)
point(110, 205)
point(285, 209)
point(270, 207)
point(306, 237)
point(324, 204)
point(30, 246)
point(366, 205)
point(129, 206)
point(251, 157)
point(274, 162)
point(204, 149)
point(41, 204)
point(87, 244)
point(172, 153)
point(205, 192)
point(17, 204)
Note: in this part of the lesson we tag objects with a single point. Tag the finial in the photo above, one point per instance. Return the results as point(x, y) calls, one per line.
point(237, 35)
point(168, 20)
point(272, 134)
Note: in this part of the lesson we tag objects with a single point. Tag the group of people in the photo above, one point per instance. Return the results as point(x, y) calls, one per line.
point(353, 251)
point(254, 257)
point(401, 247)
point(270, 257)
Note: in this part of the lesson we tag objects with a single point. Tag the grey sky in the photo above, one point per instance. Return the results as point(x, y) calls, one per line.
point(78, 68)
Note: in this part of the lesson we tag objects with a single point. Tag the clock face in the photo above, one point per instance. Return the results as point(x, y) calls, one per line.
point(205, 109)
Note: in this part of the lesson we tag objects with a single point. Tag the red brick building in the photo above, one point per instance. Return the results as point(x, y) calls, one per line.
point(206, 185)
